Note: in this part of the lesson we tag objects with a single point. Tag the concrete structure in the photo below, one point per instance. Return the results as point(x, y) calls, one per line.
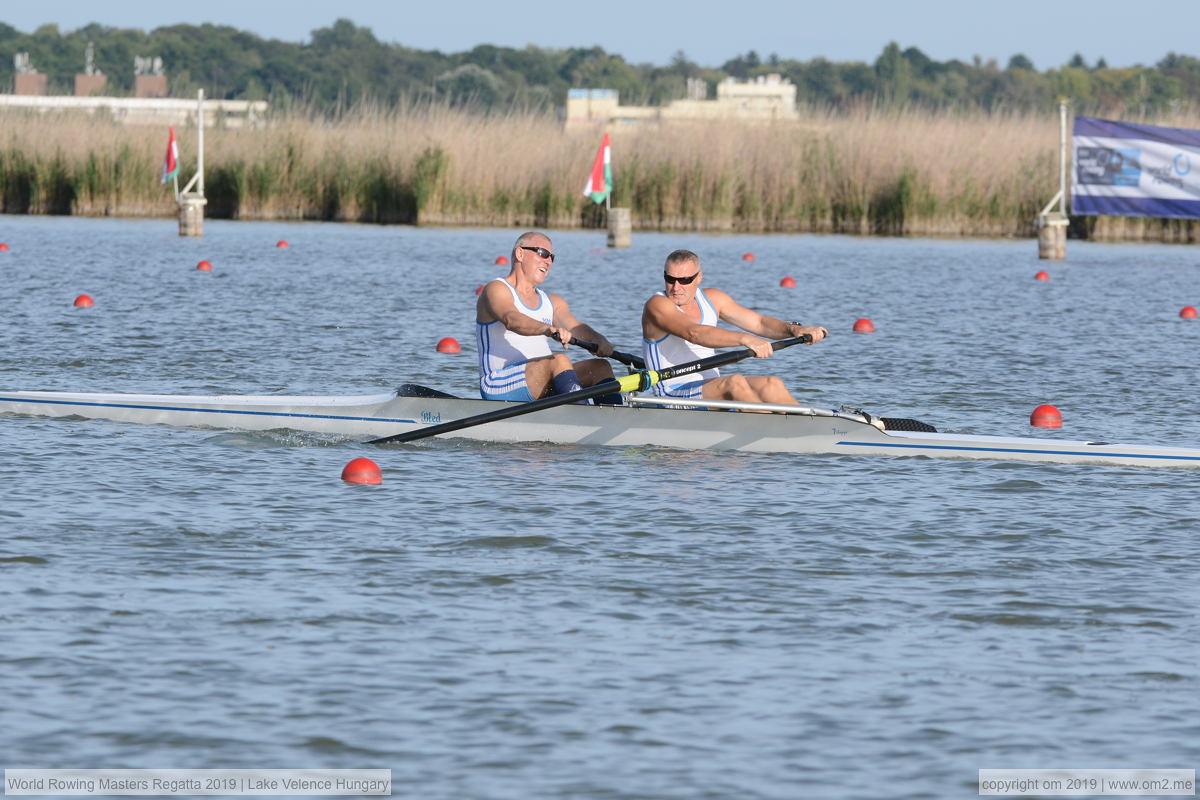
point(620, 228)
point(91, 81)
point(1052, 225)
point(1052, 237)
point(135, 111)
point(766, 98)
point(191, 214)
point(87, 85)
point(150, 86)
point(30, 84)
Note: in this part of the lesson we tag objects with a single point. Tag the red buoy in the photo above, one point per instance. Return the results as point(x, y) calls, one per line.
point(1042, 275)
point(788, 283)
point(362, 470)
point(502, 261)
point(282, 243)
point(479, 290)
point(747, 256)
point(1188, 312)
point(1046, 416)
point(204, 266)
point(84, 301)
point(448, 345)
point(3, 247)
point(864, 325)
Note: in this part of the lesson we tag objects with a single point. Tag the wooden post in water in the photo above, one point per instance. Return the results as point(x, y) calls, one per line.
point(1052, 225)
point(620, 229)
point(192, 203)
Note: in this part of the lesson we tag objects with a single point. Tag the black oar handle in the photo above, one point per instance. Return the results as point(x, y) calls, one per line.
point(625, 358)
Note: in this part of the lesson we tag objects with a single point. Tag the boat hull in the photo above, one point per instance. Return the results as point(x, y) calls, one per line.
point(373, 416)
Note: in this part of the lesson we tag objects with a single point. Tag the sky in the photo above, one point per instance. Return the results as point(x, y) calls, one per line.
point(709, 32)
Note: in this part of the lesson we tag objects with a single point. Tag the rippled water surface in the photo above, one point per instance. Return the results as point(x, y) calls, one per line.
point(499, 621)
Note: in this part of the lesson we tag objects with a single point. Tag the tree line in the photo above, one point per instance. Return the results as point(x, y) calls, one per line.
point(345, 66)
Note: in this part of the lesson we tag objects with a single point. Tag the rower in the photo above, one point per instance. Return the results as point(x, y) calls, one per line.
point(513, 319)
point(679, 324)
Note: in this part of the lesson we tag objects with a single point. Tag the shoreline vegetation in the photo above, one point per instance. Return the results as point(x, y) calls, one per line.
point(865, 171)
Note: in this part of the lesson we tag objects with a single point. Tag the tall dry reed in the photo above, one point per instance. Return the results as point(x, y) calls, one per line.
point(868, 171)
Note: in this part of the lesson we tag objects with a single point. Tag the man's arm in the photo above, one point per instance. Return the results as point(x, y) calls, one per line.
point(661, 316)
point(734, 313)
point(496, 303)
point(565, 320)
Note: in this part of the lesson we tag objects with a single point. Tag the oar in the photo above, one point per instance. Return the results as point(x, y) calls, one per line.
point(625, 358)
point(638, 381)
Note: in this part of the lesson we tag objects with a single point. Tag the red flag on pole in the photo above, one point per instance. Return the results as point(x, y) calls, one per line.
point(599, 183)
point(171, 162)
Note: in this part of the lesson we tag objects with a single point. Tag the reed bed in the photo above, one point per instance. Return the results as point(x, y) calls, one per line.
point(868, 171)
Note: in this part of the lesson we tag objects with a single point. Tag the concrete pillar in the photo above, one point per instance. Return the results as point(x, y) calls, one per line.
point(620, 229)
point(191, 215)
point(150, 86)
point(88, 85)
point(1052, 237)
point(30, 83)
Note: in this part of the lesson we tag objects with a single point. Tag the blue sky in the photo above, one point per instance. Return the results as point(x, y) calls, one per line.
point(708, 31)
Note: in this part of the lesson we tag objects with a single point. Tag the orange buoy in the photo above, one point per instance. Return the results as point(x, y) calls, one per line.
point(502, 261)
point(84, 301)
point(448, 345)
point(282, 243)
point(3, 247)
point(204, 266)
point(362, 470)
point(1042, 276)
point(1046, 416)
point(747, 256)
point(1188, 312)
point(788, 283)
point(864, 325)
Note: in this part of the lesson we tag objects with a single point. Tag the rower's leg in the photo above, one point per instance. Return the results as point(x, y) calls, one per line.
point(540, 372)
point(771, 390)
point(593, 371)
point(598, 370)
point(730, 387)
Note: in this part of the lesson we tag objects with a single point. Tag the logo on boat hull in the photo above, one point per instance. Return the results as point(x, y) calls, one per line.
point(431, 417)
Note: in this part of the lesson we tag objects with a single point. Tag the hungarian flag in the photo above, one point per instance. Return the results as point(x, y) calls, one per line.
point(171, 162)
point(599, 183)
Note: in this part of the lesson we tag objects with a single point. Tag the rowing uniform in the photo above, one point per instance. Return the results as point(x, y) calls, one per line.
point(671, 350)
point(504, 354)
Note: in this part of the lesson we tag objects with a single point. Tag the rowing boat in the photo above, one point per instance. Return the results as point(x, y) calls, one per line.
point(646, 420)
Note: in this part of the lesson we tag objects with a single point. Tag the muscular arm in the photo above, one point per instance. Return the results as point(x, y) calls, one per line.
point(496, 303)
point(660, 316)
point(564, 319)
point(734, 313)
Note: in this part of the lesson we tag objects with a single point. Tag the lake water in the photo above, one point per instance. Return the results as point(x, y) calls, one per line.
point(534, 621)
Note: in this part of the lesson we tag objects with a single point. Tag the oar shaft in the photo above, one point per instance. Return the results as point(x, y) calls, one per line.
point(720, 360)
point(630, 383)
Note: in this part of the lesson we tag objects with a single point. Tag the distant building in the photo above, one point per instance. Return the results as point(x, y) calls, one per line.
point(27, 80)
point(768, 97)
point(91, 81)
point(149, 106)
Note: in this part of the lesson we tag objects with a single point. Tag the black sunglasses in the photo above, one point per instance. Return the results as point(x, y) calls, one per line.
point(684, 280)
point(541, 251)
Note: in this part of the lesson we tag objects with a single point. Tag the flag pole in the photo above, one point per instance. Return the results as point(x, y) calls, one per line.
point(608, 197)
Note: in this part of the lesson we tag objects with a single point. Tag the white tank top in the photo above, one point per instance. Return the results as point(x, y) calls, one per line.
point(500, 348)
point(671, 350)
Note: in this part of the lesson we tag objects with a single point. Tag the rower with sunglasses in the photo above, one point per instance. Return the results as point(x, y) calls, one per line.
point(680, 325)
point(513, 319)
